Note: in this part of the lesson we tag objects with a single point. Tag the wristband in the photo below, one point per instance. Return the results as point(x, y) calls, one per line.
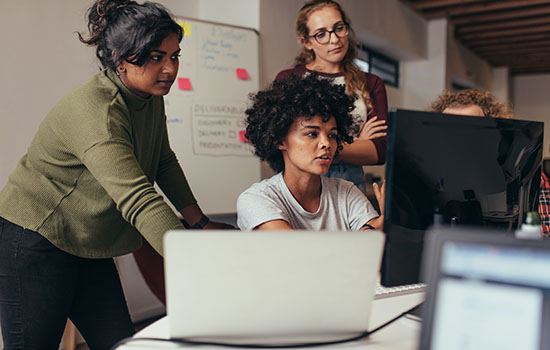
point(199, 225)
point(370, 227)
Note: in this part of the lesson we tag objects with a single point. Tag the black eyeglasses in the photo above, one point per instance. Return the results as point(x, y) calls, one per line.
point(323, 36)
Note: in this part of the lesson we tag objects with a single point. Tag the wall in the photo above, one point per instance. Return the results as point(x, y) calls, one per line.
point(501, 84)
point(465, 67)
point(424, 79)
point(244, 13)
point(278, 42)
point(402, 37)
point(42, 59)
point(530, 99)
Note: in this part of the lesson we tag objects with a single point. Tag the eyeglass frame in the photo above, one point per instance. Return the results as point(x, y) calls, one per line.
point(329, 32)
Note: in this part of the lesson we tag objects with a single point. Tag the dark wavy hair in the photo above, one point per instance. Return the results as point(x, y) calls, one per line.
point(274, 110)
point(124, 30)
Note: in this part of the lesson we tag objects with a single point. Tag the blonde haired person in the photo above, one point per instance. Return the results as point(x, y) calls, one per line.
point(477, 103)
point(471, 102)
point(329, 48)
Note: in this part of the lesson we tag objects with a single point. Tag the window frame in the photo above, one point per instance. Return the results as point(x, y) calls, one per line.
point(369, 56)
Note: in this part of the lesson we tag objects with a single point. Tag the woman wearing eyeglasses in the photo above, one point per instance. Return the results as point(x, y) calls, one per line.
point(329, 48)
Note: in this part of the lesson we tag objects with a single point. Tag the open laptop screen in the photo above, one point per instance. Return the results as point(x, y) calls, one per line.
point(486, 291)
point(263, 286)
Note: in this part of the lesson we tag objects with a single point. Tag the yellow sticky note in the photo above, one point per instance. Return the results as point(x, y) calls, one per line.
point(186, 28)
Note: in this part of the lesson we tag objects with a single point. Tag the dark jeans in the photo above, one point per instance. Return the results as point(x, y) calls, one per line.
point(41, 285)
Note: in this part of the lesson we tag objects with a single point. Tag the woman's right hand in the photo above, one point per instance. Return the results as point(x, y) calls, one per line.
point(380, 194)
point(373, 129)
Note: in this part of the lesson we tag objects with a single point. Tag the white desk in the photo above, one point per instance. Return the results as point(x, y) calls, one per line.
point(402, 334)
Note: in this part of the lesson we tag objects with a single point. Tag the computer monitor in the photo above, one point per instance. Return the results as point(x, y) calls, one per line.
point(485, 291)
point(456, 170)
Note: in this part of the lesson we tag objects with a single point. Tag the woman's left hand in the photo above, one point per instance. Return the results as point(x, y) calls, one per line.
point(373, 129)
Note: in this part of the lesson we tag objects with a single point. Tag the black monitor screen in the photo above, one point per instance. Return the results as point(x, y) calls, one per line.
point(454, 170)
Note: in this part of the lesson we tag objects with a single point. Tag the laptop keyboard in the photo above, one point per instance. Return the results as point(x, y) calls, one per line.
point(386, 292)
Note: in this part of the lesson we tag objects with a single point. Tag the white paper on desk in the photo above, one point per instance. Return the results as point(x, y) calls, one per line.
point(496, 202)
point(477, 315)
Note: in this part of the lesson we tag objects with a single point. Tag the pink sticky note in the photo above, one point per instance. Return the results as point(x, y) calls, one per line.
point(184, 84)
point(242, 74)
point(242, 136)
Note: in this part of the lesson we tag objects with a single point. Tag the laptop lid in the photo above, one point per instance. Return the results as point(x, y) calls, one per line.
point(486, 290)
point(299, 285)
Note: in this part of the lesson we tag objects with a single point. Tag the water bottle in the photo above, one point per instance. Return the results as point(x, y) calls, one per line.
point(531, 228)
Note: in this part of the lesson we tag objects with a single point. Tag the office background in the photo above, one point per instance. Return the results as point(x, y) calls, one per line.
point(42, 58)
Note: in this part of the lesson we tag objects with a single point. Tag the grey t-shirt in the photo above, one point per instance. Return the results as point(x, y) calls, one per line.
point(343, 207)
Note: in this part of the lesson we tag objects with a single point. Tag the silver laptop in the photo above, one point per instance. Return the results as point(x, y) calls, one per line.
point(486, 290)
point(270, 285)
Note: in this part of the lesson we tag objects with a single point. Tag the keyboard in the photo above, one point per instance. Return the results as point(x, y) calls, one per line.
point(386, 292)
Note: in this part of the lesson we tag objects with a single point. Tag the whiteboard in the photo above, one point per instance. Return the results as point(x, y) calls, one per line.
point(205, 112)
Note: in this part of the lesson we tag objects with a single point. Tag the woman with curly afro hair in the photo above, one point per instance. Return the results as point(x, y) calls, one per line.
point(298, 125)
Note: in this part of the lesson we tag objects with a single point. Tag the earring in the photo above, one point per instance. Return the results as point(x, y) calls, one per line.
point(120, 71)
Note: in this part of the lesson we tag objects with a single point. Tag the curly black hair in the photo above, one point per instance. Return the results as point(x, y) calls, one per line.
point(274, 110)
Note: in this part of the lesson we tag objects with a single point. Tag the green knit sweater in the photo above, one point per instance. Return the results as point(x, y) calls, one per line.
point(86, 182)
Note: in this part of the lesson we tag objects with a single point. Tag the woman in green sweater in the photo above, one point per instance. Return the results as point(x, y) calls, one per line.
point(84, 191)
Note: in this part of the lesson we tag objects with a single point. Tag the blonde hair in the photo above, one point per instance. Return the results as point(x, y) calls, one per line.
point(488, 102)
point(354, 77)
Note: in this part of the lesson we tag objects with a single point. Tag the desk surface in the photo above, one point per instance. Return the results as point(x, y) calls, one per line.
point(402, 334)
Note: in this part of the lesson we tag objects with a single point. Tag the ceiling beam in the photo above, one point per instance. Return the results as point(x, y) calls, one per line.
point(540, 44)
point(524, 71)
point(513, 52)
point(430, 4)
point(507, 40)
point(505, 33)
point(525, 22)
point(480, 6)
point(531, 67)
point(502, 15)
point(527, 69)
point(512, 61)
